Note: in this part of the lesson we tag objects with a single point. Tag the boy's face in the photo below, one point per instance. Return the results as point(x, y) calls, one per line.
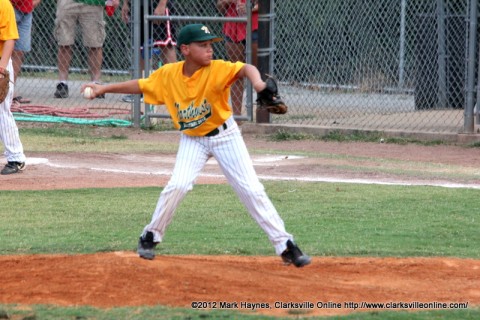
point(199, 52)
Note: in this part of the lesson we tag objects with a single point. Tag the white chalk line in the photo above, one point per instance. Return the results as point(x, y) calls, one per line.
point(38, 161)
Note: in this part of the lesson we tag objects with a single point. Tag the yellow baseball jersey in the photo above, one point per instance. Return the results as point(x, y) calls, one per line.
point(8, 24)
point(197, 104)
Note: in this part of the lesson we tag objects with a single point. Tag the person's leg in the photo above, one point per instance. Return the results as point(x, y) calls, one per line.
point(93, 35)
point(95, 58)
point(230, 151)
point(236, 52)
point(64, 58)
point(9, 130)
point(63, 61)
point(191, 158)
point(65, 26)
point(17, 59)
point(22, 45)
point(232, 155)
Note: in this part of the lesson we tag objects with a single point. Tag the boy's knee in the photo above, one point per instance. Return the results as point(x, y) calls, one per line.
point(179, 187)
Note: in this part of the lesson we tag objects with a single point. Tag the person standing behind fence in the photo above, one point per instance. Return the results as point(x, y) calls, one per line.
point(235, 37)
point(24, 17)
point(8, 128)
point(88, 14)
point(162, 33)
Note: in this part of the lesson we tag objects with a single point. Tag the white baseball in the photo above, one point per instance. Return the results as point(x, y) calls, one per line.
point(87, 93)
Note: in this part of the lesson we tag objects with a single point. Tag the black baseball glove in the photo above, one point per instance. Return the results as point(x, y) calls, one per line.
point(269, 99)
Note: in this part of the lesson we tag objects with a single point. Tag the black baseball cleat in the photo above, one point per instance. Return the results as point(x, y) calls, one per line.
point(294, 255)
point(146, 246)
point(13, 167)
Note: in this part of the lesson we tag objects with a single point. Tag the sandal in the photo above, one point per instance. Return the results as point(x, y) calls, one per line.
point(21, 99)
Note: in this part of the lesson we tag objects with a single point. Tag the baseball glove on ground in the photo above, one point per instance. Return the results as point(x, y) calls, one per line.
point(269, 99)
point(4, 84)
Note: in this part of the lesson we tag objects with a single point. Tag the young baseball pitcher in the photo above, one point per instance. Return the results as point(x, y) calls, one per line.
point(8, 128)
point(196, 92)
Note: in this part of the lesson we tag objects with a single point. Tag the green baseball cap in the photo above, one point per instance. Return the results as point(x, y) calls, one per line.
point(195, 33)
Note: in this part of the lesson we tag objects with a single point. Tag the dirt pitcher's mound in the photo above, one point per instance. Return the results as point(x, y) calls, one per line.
point(328, 286)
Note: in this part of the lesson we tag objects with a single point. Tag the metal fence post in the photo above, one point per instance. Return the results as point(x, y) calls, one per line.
point(265, 16)
point(478, 89)
point(147, 54)
point(472, 43)
point(441, 56)
point(248, 59)
point(137, 19)
point(401, 64)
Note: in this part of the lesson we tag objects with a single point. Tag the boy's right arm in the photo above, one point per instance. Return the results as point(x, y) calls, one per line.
point(126, 87)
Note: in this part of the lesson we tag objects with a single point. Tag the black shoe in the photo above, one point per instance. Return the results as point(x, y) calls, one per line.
point(294, 255)
point(62, 91)
point(146, 246)
point(13, 167)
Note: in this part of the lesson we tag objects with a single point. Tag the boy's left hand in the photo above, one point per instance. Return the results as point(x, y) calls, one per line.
point(270, 100)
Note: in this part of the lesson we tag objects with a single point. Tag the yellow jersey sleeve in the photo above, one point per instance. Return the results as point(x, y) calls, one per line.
point(8, 24)
point(197, 104)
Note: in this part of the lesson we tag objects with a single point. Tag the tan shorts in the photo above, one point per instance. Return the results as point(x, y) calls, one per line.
point(88, 17)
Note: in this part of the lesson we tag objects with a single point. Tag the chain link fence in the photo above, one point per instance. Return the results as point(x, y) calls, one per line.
point(399, 65)
point(39, 77)
point(382, 65)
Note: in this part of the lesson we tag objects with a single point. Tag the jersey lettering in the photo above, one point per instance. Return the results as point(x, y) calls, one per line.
point(193, 116)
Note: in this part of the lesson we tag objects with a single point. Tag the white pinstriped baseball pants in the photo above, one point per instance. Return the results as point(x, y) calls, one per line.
point(8, 127)
point(230, 151)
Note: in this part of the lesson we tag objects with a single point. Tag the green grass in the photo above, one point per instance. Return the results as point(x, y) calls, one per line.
point(356, 136)
point(335, 135)
point(474, 145)
point(326, 218)
point(46, 312)
point(60, 138)
point(43, 312)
